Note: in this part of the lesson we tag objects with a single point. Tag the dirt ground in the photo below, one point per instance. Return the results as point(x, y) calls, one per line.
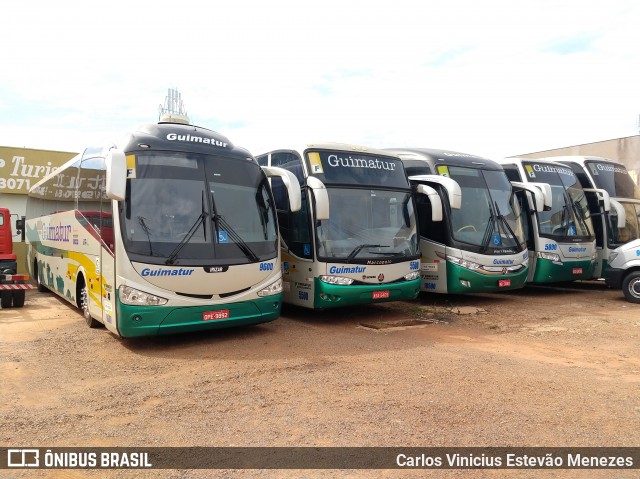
point(543, 366)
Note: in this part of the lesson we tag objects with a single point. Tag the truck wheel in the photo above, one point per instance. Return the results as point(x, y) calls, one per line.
point(6, 298)
point(631, 286)
point(18, 298)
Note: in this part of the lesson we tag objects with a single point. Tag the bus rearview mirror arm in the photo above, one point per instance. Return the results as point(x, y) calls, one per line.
point(541, 193)
point(546, 193)
point(116, 183)
point(434, 199)
point(620, 212)
point(290, 182)
point(603, 197)
point(321, 196)
point(451, 186)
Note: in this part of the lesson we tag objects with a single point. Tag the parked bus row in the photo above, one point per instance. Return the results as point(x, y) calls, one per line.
point(177, 229)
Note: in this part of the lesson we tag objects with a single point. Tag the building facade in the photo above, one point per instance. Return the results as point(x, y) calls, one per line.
point(20, 169)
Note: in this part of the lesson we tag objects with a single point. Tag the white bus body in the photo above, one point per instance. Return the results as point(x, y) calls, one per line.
point(355, 240)
point(560, 239)
point(175, 231)
point(621, 223)
point(475, 242)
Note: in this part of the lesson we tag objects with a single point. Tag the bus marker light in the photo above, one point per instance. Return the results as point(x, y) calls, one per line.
point(380, 294)
point(215, 315)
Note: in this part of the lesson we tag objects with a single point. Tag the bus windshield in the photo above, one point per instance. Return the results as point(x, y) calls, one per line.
point(368, 225)
point(488, 218)
point(613, 178)
point(569, 215)
point(195, 209)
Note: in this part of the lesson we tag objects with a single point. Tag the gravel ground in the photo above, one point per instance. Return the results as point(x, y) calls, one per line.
point(537, 367)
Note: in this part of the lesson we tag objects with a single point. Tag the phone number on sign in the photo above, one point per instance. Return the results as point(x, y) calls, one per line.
point(14, 183)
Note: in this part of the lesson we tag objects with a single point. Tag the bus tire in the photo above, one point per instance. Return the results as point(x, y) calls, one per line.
point(631, 287)
point(6, 298)
point(41, 287)
point(18, 298)
point(83, 303)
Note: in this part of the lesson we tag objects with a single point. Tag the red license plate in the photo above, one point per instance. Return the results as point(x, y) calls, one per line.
point(503, 283)
point(380, 294)
point(214, 315)
point(577, 270)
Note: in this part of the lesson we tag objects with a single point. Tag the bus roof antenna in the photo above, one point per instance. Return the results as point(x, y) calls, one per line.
point(173, 109)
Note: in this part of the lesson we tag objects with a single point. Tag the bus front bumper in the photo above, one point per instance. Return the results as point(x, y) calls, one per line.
point(463, 280)
point(136, 321)
point(549, 272)
point(337, 296)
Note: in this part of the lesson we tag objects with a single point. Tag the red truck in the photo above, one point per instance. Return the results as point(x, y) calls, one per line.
point(12, 286)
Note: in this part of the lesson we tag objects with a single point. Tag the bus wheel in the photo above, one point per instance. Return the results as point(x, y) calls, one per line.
point(41, 287)
point(6, 298)
point(84, 305)
point(631, 287)
point(18, 298)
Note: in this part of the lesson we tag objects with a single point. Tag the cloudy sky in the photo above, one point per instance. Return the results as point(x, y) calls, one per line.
point(493, 78)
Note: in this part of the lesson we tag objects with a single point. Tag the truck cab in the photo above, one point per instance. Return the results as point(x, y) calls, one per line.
point(8, 262)
point(12, 285)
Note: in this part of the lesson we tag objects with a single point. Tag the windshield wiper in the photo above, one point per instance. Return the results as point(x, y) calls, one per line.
point(194, 227)
point(357, 249)
point(489, 230)
point(239, 242)
point(142, 221)
point(578, 212)
point(506, 224)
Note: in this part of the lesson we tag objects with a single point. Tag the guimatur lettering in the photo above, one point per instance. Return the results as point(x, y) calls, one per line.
point(371, 163)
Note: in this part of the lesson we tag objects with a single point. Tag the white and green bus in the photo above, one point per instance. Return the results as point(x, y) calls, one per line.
point(622, 223)
point(560, 239)
point(355, 239)
point(471, 233)
point(174, 231)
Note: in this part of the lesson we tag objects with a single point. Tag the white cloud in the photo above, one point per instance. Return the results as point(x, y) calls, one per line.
point(492, 78)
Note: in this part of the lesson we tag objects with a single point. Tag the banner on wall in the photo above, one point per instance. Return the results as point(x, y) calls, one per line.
point(21, 168)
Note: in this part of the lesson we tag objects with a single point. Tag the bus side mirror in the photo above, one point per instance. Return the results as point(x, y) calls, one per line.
point(620, 213)
point(434, 199)
point(321, 197)
point(116, 164)
point(290, 182)
point(546, 194)
point(603, 197)
point(535, 197)
point(451, 186)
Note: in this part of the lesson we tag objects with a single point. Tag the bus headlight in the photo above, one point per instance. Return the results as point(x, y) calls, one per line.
point(464, 263)
point(273, 288)
point(132, 296)
point(612, 256)
point(555, 257)
point(341, 280)
point(411, 276)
